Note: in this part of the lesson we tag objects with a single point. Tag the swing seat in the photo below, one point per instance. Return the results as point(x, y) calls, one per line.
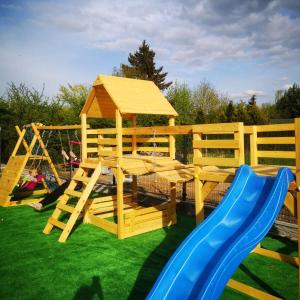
point(75, 143)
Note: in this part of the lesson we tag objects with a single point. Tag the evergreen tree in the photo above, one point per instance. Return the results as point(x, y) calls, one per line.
point(200, 117)
point(230, 112)
point(255, 116)
point(289, 104)
point(142, 66)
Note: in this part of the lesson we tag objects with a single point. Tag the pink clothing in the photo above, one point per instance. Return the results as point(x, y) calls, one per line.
point(30, 185)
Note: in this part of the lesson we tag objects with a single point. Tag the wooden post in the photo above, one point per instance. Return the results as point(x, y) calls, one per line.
point(119, 175)
point(46, 154)
point(239, 135)
point(199, 201)
point(20, 139)
point(172, 139)
point(23, 139)
point(253, 146)
point(134, 144)
point(297, 145)
point(173, 194)
point(134, 153)
point(83, 137)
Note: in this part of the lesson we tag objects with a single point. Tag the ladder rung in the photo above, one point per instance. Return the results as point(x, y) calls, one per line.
point(73, 193)
point(82, 178)
point(65, 207)
point(87, 165)
point(57, 223)
point(37, 157)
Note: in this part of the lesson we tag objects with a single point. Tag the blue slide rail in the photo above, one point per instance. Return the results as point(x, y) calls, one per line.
point(202, 265)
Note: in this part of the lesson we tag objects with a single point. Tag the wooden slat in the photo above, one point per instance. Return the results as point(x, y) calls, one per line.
point(73, 193)
point(102, 223)
point(87, 165)
point(216, 161)
point(82, 178)
point(92, 150)
point(275, 127)
point(277, 154)
point(65, 207)
point(107, 141)
point(276, 140)
point(57, 223)
point(58, 127)
point(107, 131)
point(222, 128)
point(158, 130)
point(152, 140)
point(248, 290)
point(107, 153)
point(92, 141)
point(216, 144)
point(153, 149)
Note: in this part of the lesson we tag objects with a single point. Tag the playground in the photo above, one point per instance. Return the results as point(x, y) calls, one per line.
point(226, 254)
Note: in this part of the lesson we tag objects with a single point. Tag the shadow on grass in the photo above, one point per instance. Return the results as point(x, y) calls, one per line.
point(89, 292)
point(261, 283)
point(155, 262)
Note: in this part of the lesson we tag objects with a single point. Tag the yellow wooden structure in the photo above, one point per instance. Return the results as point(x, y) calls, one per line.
point(142, 150)
point(264, 141)
point(21, 155)
point(127, 151)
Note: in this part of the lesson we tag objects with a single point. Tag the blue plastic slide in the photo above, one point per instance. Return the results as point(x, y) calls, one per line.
point(202, 265)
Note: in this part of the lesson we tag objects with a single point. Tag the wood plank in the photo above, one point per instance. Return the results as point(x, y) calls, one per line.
point(73, 193)
point(92, 150)
point(277, 154)
point(92, 140)
point(216, 144)
point(87, 165)
point(216, 161)
point(248, 290)
point(82, 178)
point(57, 223)
point(65, 207)
point(153, 149)
point(282, 140)
point(278, 256)
point(58, 127)
point(275, 127)
point(107, 141)
point(222, 128)
point(158, 130)
point(152, 140)
point(107, 153)
point(102, 223)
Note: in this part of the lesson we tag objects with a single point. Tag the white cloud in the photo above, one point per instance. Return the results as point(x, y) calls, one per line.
point(287, 86)
point(254, 92)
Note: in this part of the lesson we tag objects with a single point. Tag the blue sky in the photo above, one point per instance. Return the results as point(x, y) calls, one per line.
point(240, 47)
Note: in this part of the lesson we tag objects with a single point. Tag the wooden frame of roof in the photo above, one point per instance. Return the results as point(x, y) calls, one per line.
point(129, 96)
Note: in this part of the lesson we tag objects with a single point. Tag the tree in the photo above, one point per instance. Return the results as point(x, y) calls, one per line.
point(289, 104)
point(209, 101)
point(255, 115)
point(230, 112)
point(180, 97)
point(142, 66)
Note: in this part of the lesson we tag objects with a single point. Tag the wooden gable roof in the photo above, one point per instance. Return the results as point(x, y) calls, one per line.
point(130, 96)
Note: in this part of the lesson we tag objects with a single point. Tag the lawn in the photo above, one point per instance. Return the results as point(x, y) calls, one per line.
point(93, 264)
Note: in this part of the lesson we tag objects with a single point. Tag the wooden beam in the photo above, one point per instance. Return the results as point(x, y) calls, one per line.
point(83, 137)
point(172, 139)
point(251, 291)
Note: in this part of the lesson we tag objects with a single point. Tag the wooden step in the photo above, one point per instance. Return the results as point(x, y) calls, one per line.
point(73, 193)
point(82, 178)
point(57, 223)
point(88, 165)
point(65, 207)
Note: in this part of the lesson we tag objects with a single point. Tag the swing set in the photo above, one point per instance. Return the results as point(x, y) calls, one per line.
point(30, 155)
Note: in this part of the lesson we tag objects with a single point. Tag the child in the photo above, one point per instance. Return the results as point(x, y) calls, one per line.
point(31, 181)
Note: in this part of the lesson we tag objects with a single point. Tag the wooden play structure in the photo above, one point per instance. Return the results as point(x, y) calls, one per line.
point(128, 152)
point(136, 151)
point(26, 152)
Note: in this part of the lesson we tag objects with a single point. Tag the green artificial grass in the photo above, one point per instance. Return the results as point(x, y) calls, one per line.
point(93, 264)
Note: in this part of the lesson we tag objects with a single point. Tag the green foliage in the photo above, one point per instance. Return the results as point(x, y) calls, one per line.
point(180, 96)
point(255, 115)
point(289, 103)
point(209, 101)
point(142, 66)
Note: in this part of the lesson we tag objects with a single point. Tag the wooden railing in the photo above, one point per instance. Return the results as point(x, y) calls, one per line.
point(228, 136)
point(276, 142)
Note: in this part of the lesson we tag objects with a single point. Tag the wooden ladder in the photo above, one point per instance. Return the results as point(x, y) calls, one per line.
point(81, 176)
